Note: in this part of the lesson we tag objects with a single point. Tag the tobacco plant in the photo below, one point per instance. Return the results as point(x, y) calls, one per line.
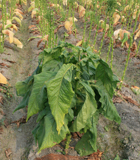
point(69, 89)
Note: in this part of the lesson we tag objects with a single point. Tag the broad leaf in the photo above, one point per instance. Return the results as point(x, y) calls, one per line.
point(43, 113)
point(46, 133)
point(52, 65)
point(24, 101)
point(83, 147)
point(88, 109)
point(23, 87)
point(105, 74)
point(87, 144)
point(107, 107)
point(39, 94)
point(60, 94)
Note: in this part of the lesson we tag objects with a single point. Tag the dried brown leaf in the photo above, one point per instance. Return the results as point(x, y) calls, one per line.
point(59, 157)
point(61, 25)
point(32, 26)
point(81, 11)
point(68, 25)
point(129, 99)
point(134, 47)
point(3, 80)
point(137, 35)
point(3, 64)
point(96, 155)
point(117, 99)
point(21, 120)
point(39, 42)
point(8, 152)
point(79, 43)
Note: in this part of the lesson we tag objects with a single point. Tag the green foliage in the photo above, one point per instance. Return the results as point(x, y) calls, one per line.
point(112, 5)
point(69, 89)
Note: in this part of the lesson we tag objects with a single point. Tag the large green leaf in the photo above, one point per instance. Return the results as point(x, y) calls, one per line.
point(87, 144)
point(23, 87)
point(83, 147)
point(52, 65)
point(50, 54)
point(39, 94)
point(24, 101)
point(105, 74)
point(60, 94)
point(43, 113)
point(107, 107)
point(88, 109)
point(46, 133)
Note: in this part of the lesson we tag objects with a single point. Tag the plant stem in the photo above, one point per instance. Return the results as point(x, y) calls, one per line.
point(68, 139)
point(131, 40)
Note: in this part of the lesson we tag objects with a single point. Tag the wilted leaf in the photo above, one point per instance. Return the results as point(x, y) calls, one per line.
point(119, 3)
point(137, 29)
point(38, 43)
point(76, 4)
point(3, 64)
point(122, 34)
point(8, 152)
point(3, 80)
point(21, 120)
point(18, 10)
point(135, 14)
point(68, 25)
point(96, 155)
point(55, 5)
point(72, 19)
point(81, 11)
point(127, 8)
point(134, 47)
point(125, 38)
point(79, 43)
point(45, 38)
point(33, 13)
point(17, 42)
point(10, 34)
point(8, 22)
point(19, 15)
point(32, 26)
point(116, 33)
point(119, 34)
point(107, 27)
point(17, 20)
point(137, 35)
point(31, 8)
point(12, 26)
point(65, 2)
point(123, 19)
point(116, 17)
point(135, 89)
